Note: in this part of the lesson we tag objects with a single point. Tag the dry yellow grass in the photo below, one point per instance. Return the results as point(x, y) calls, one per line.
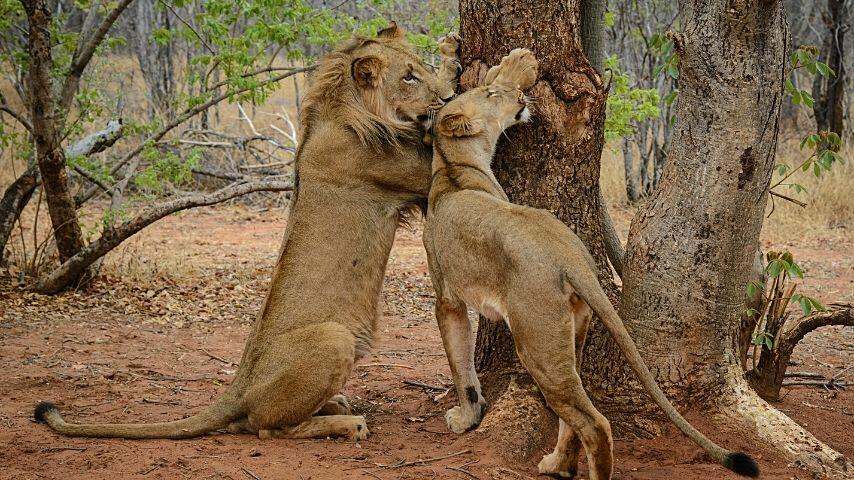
point(830, 198)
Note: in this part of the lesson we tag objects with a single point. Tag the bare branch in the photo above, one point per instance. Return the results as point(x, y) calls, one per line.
point(84, 54)
point(112, 237)
point(183, 117)
point(17, 116)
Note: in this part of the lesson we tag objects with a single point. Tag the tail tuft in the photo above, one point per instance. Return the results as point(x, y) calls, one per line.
point(42, 409)
point(742, 464)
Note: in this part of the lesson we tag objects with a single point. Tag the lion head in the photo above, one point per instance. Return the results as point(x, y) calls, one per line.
point(379, 87)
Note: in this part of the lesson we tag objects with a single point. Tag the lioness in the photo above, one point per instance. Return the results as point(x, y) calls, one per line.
point(524, 266)
point(360, 166)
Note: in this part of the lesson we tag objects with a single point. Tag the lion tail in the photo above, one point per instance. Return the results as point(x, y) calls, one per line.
point(216, 416)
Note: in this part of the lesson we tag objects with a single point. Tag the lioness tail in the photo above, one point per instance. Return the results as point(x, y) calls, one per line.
point(588, 287)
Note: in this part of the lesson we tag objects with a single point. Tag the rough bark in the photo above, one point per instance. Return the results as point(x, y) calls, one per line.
point(692, 245)
point(553, 163)
point(46, 120)
point(829, 107)
point(71, 269)
point(767, 377)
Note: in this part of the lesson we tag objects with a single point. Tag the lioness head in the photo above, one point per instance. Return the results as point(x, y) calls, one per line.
point(501, 102)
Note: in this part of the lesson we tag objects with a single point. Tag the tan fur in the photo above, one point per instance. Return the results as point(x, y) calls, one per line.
point(361, 162)
point(521, 265)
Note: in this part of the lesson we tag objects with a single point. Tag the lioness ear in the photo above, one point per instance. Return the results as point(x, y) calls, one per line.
point(490, 75)
point(391, 31)
point(460, 125)
point(367, 71)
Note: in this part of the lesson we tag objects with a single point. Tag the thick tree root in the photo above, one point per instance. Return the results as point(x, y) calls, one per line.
point(780, 432)
point(519, 424)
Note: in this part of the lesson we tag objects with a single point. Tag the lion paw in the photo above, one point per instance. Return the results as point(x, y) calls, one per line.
point(449, 45)
point(555, 465)
point(360, 429)
point(342, 405)
point(458, 422)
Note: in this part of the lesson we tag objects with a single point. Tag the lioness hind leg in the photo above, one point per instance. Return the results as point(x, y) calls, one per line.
point(546, 351)
point(458, 340)
point(348, 426)
point(563, 461)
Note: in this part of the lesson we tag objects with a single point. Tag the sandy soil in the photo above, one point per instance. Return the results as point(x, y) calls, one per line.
point(158, 339)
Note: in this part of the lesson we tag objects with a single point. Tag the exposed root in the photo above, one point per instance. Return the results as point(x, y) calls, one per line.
point(780, 432)
point(519, 423)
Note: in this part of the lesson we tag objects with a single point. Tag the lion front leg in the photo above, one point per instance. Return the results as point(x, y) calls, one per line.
point(459, 346)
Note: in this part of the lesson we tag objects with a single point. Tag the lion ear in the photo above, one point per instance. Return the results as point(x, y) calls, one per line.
point(367, 71)
point(391, 31)
point(460, 125)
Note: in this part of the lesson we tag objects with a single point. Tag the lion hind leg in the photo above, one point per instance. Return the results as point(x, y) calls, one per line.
point(298, 374)
point(347, 426)
point(337, 405)
point(563, 461)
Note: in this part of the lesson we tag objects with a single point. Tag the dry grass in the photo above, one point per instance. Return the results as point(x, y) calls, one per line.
point(830, 198)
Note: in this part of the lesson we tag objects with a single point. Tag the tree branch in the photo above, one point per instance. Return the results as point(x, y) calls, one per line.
point(613, 245)
point(793, 332)
point(183, 117)
point(113, 236)
point(85, 51)
point(17, 116)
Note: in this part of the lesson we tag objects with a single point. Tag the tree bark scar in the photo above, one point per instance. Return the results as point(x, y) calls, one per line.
point(748, 165)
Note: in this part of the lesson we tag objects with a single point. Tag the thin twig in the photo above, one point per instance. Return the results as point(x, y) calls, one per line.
point(250, 473)
point(227, 362)
point(423, 462)
point(416, 383)
point(399, 365)
point(191, 27)
point(789, 199)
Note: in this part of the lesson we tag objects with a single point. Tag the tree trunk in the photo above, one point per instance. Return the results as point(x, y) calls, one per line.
point(156, 60)
point(767, 377)
point(47, 134)
point(15, 198)
point(553, 163)
point(829, 91)
point(691, 246)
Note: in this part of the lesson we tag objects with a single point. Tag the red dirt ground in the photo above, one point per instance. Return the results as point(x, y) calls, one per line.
point(155, 341)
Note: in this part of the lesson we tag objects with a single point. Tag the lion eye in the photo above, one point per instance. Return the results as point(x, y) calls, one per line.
point(410, 78)
point(491, 93)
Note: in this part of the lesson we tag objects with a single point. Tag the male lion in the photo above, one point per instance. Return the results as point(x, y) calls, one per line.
point(361, 165)
point(524, 266)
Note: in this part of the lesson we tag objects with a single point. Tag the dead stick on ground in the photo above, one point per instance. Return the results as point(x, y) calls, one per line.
point(60, 449)
point(416, 383)
point(422, 462)
point(249, 472)
point(227, 362)
point(462, 470)
point(399, 365)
